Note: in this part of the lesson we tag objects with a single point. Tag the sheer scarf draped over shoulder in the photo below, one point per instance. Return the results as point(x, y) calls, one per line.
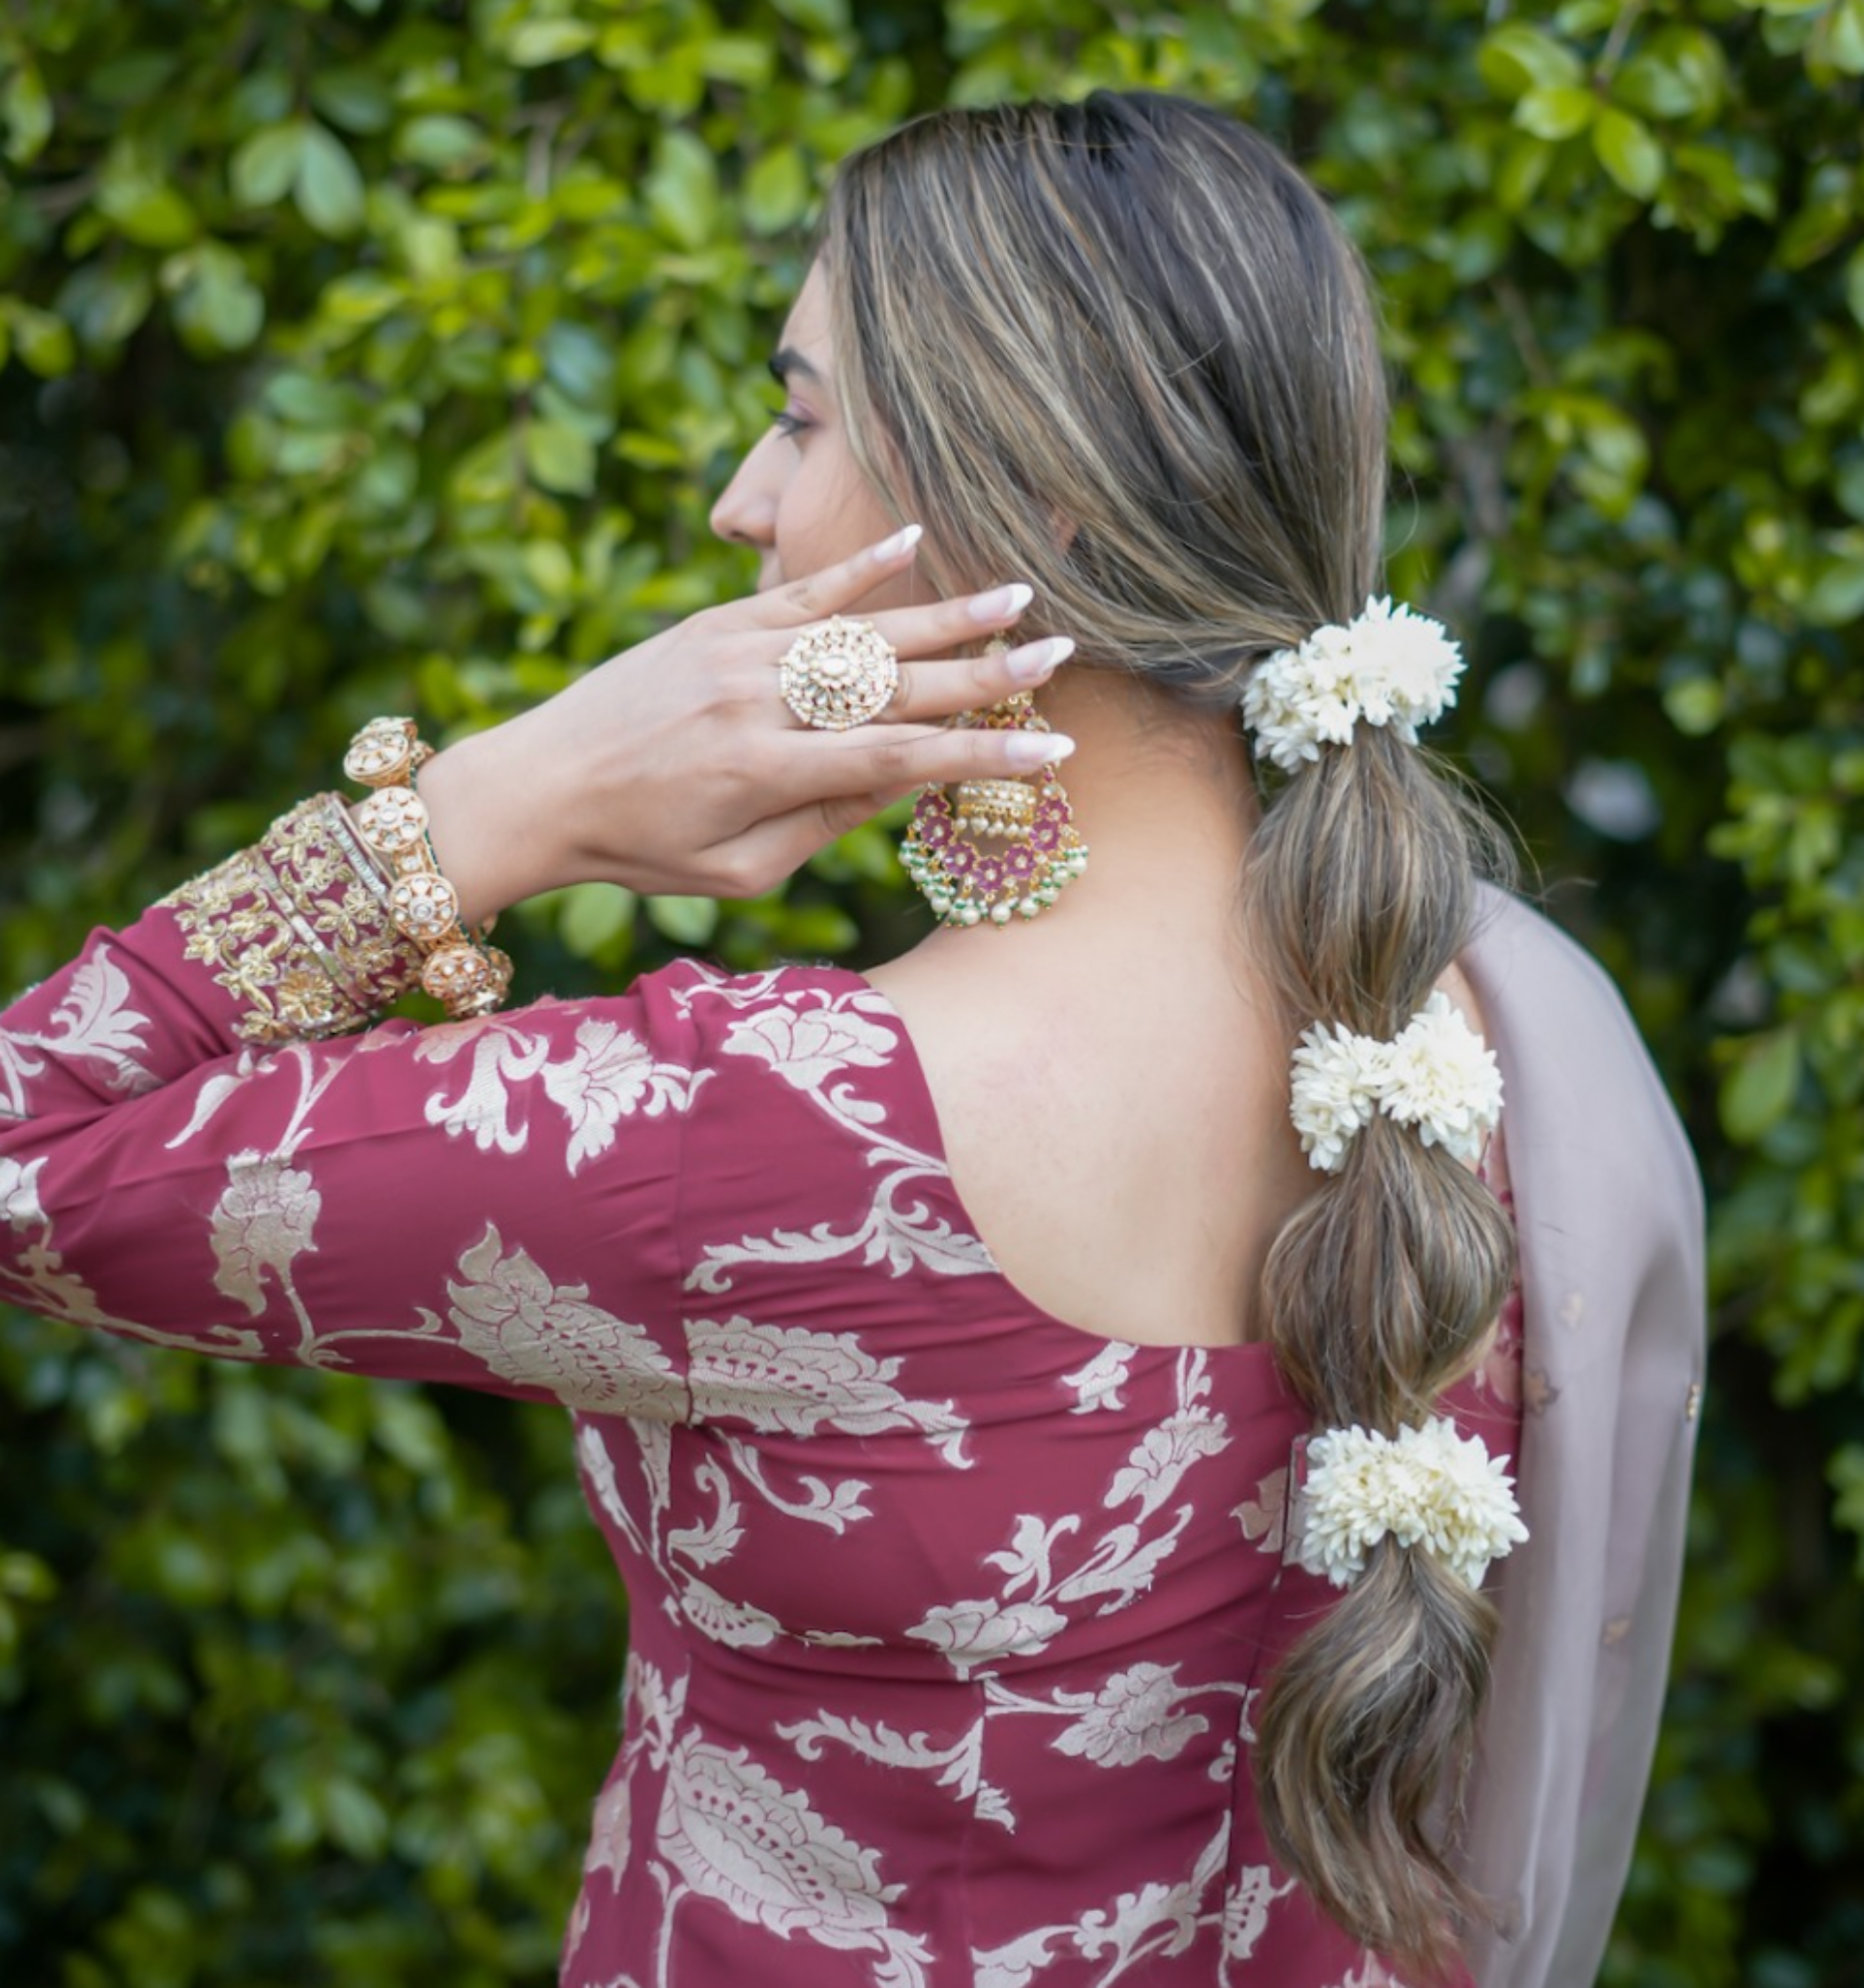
point(1609, 1205)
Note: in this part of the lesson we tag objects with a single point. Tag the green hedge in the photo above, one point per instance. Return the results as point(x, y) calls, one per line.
point(359, 356)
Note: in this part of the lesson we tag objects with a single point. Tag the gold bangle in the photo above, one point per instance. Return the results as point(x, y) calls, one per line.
point(459, 970)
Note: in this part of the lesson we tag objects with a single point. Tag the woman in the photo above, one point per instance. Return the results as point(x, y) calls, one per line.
point(943, 1341)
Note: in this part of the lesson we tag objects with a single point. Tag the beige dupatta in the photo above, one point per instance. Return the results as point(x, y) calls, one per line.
point(1610, 1206)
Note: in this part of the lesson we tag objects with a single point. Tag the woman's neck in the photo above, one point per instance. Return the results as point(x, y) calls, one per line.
point(1111, 1076)
point(1163, 796)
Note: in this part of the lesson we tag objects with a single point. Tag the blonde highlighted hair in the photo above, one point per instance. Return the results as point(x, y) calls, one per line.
point(1131, 318)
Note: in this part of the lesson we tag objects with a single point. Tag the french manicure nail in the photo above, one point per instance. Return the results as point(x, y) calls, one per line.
point(900, 543)
point(1039, 660)
point(1030, 749)
point(1002, 602)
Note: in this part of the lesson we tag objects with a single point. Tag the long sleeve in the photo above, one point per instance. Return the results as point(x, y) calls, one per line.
point(191, 1157)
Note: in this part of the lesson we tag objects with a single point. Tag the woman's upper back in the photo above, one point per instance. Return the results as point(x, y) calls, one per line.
point(1115, 1120)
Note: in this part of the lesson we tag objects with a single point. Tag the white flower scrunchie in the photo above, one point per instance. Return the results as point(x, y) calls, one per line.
point(1425, 1487)
point(1386, 666)
point(1437, 1075)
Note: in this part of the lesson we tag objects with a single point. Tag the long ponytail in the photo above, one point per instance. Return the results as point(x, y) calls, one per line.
point(1379, 1292)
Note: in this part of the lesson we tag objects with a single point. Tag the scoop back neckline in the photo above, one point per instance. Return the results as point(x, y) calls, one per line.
point(910, 1065)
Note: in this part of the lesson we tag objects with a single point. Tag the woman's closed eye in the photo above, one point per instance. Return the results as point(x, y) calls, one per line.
point(786, 367)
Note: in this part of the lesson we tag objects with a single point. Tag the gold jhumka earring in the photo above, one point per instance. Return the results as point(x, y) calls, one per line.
point(1039, 855)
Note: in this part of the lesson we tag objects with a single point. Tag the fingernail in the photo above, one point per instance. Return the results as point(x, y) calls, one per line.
point(1037, 662)
point(902, 542)
point(1002, 602)
point(1029, 749)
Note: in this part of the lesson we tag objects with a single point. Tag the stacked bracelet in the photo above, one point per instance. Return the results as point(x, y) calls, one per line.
point(459, 970)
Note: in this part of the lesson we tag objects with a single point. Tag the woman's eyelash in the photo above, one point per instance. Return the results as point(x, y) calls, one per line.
point(786, 423)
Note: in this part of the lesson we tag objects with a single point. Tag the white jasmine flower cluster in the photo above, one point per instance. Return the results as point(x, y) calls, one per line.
point(1437, 1075)
point(1442, 1078)
point(1338, 1080)
point(1386, 666)
point(1425, 1487)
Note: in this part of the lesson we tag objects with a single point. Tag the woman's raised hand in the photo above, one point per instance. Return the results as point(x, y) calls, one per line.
point(677, 767)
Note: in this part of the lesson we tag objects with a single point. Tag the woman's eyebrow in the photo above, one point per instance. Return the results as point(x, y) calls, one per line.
point(789, 361)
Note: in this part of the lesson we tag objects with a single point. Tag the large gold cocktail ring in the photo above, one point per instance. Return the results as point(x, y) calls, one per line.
point(839, 674)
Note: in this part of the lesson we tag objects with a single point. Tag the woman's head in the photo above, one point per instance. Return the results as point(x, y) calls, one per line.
point(1121, 350)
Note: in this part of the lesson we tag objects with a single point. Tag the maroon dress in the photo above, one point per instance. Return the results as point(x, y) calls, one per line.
point(949, 1619)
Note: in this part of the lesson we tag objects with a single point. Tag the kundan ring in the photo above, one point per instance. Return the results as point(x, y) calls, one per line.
point(839, 674)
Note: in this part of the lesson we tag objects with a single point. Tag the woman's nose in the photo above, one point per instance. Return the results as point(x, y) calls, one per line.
point(746, 511)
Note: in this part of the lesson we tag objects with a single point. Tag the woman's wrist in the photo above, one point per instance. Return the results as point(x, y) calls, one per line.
point(497, 804)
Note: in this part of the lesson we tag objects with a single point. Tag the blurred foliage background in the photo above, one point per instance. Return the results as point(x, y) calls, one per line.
point(365, 355)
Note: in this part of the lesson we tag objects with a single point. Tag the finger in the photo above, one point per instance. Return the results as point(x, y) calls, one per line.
point(940, 689)
point(820, 594)
point(940, 626)
point(890, 758)
point(778, 846)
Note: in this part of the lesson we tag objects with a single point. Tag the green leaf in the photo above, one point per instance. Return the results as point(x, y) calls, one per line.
point(364, 297)
point(534, 43)
point(548, 567)
point(1556, 111)
point(329, 187)
point(357, 99)
point(24, 1577)
point(1845, 45)
point(485, 473)
point(443, 143)
point(1629, 152)
point(1854, 285)
point(353, 1819)
point(401, 613)
point(560, 457)
point(26, 110)
point(219, 308)
point(593, 915)
point(826, 17)
point(688, 921)
point(682, 190)
point(1523, 169)
point(1819, 227)
point(814, 930)
point(387, 483)
point(265, 166)
point(650, 452)
point(309, 402)
point(1836, 599)
point(146, 209)
point(741, 59)
point(776, 190)
point(1759, 1089)
point(42, 338)
point(1517, 57)
point(582, 364)
point(104, 302)
point(1696, 705)
point(1653, 87)
point(1848, 486)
